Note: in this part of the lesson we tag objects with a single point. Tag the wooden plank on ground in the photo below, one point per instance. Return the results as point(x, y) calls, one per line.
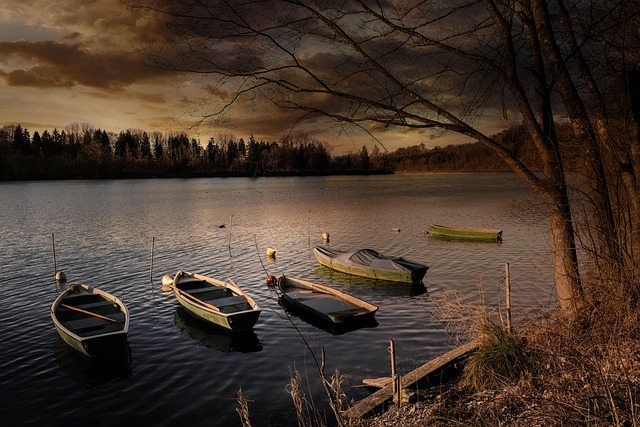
point(373, 401)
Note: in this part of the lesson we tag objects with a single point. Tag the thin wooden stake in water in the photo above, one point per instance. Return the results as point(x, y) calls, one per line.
point(53, 242)
point(392, 351)
point(230, 225)
point(394, 377)
point(507, 285)
point(153, 242)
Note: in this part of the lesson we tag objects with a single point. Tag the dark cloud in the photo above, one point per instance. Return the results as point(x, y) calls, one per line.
point(62, 65)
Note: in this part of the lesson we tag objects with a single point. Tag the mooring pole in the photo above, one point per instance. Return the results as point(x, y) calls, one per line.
point(392, 351)
point(507, 285)
point(53, 243)
point(153, 242)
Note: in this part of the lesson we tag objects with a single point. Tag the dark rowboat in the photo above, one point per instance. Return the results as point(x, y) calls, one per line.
point(371, 264)
point(215, 302)
point(326, 303)
point(90, 320)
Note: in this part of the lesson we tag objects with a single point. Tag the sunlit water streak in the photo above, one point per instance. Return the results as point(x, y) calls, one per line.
point(183, 373)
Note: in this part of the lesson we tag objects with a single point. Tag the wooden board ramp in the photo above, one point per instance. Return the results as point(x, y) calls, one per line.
point(434, 366)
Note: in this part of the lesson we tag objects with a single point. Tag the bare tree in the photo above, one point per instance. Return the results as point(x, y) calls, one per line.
point(429, 65)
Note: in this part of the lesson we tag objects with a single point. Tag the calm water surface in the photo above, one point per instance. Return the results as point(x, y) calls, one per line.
point(182, 372)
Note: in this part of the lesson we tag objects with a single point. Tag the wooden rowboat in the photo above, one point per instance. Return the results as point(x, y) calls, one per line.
point(465, 233)
point(325, 303)
point(90, 320)
point(371, 264)
point(215, 302)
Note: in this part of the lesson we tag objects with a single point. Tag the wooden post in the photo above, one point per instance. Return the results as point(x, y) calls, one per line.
point(53, 243)
point(153, 242)
point(507, 285)
point(392, 351)
point(394, 377)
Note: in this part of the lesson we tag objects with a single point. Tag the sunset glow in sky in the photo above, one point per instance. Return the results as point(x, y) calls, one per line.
point(76, 61)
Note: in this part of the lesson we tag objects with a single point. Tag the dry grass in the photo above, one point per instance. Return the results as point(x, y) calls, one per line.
point(552, 372)
point(243, 410)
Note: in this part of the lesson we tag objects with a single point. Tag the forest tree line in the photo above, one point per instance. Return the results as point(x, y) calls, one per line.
point(82, 152)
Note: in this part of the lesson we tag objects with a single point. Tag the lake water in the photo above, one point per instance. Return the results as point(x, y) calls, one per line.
point(182, 372)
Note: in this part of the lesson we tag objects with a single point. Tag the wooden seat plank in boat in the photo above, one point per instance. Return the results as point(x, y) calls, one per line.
point(86, 306)
point(91, 322)
point(220, 291)
point(222, 302)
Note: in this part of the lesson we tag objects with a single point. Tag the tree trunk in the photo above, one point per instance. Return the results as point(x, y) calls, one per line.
point(565, 262)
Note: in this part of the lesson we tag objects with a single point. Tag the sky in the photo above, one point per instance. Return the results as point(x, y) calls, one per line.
point(78, 61)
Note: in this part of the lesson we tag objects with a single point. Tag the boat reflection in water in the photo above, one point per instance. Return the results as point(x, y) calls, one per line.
point(216, 338)
point(93, 371)
point(382, 286)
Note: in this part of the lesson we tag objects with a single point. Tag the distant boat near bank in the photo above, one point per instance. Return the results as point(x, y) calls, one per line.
point(465, 233)
point(214, 301)
point(371, 264)
point(325, 303)
point(90, 320)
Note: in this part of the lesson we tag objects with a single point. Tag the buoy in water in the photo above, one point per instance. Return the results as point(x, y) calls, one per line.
point(167, 282)
point(271, 280)
point(271, 252)
point(61, 277)
point(325, 237)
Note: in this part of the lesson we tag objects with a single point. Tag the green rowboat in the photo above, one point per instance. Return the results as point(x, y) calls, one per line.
point(465, 233)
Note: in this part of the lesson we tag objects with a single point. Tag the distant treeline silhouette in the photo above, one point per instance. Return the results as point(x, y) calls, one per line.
point(82, 152)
